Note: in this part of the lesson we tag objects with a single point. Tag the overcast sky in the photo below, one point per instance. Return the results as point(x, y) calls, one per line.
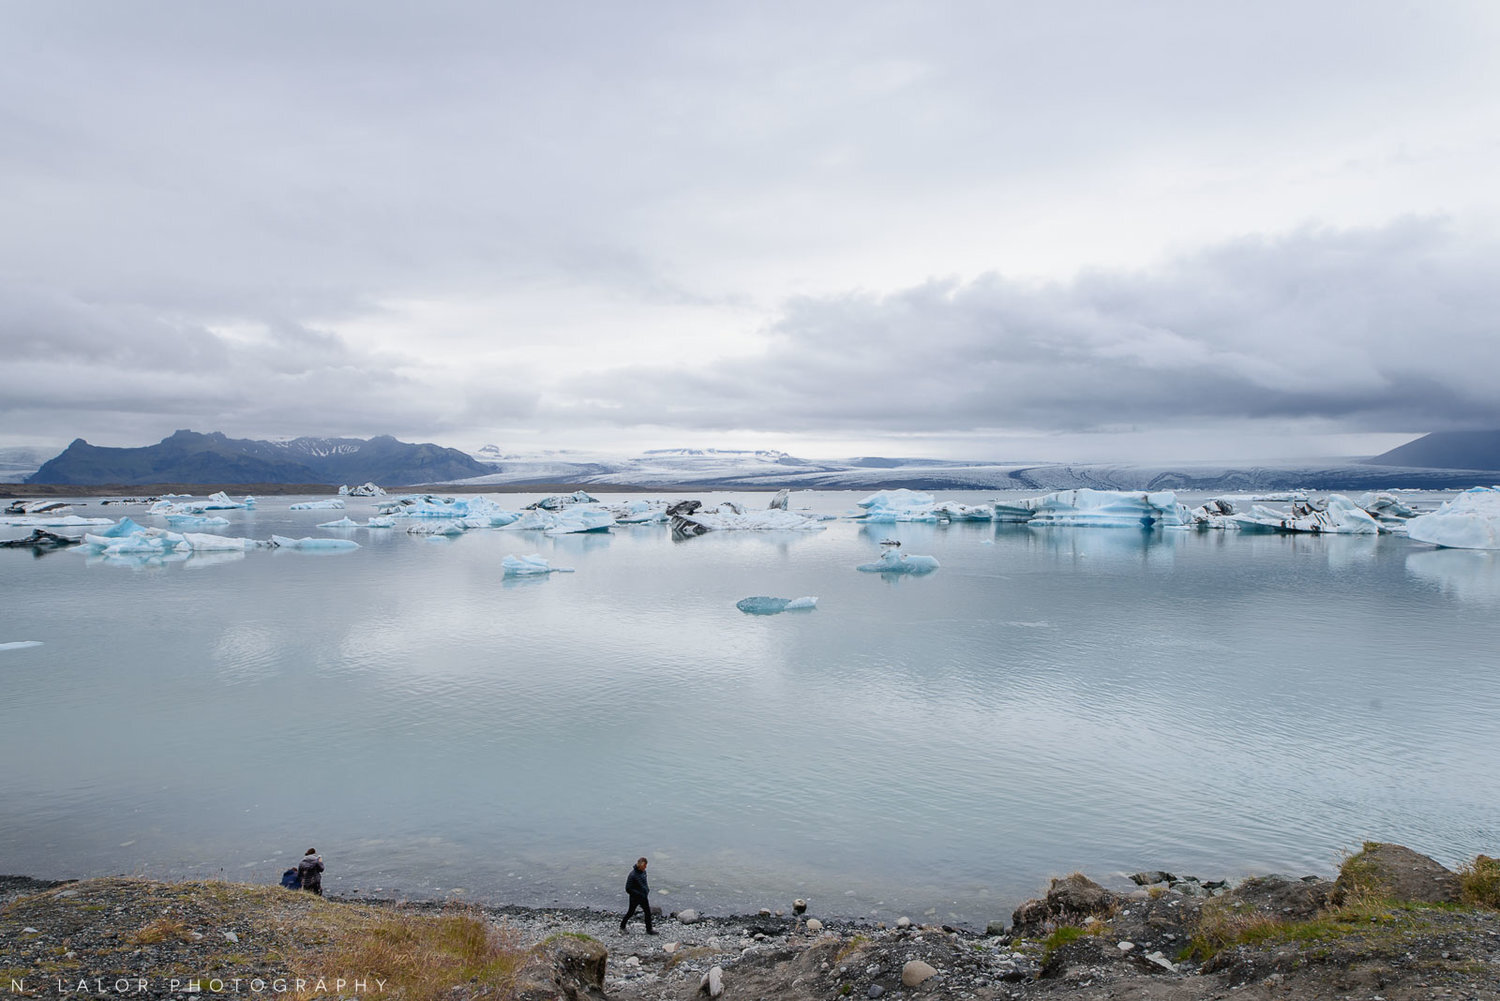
point(982, 229)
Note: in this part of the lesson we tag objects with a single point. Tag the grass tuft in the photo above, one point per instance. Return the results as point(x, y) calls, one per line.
point(422, 957)
point(161, 930)
point(1480, 882)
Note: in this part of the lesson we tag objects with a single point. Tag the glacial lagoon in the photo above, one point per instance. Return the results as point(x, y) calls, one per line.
point(1050, 699)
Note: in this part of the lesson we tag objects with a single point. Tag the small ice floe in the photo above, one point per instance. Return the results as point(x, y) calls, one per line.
point(762, 605)
point(331, 504)
point(530, 566)
point(1469, 521)
point(203, 543)
point(345, 522)
point(282, 542)
point(895, 561)
point(53, 521)
point(20, 644)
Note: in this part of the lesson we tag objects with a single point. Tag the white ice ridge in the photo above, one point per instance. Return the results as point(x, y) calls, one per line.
point(332, 504)
point(763, 605)
point(283, 542)
point(895, 561)
point(1469, 521)
point(530, 566)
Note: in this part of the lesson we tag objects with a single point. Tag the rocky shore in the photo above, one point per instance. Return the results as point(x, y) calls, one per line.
point(1395, 925)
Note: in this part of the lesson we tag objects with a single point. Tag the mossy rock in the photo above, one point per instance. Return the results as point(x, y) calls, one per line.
point(1395, 872)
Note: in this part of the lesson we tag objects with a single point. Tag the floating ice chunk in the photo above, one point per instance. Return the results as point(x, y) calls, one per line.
point(640, 512)
point(122, 528)
point(53, 521)
point(782, 500)
point(1388, 509)
point(201, 543)
point(889, 506)
point(381, 521)
point(895, 561)
point(436, 528)
point(345, 522)
point(181, 521)
point(558, 502)
point(1469, 521)
point(1216, 513)
point(55, 508)
point(530, 566)
point(20, 644)
point(692, 520)
point(950, 511)
point(1338, 515)
point(568, 521)
point(283, 542)
point(762, 605)
point(485, 513)
point(363, 490)
point(1109, 509)
point(332, 504)
point(426, 506)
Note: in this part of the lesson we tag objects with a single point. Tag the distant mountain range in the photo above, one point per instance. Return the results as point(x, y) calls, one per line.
point(1437, 461)
point(190, 457)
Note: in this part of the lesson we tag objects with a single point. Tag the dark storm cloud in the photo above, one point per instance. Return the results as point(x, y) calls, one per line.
point(1371, 329)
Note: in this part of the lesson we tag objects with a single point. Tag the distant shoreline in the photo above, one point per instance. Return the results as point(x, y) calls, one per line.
point(24, 490)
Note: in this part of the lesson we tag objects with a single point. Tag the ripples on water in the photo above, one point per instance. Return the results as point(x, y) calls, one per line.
point(1049, 700)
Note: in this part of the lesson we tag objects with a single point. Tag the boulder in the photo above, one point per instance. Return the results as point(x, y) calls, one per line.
point(712, 983)
point(688, 916)
point(563, 967)
point(916, 973)
point(1397, 872)
point(1280, 896)
point(1068, 901)
point(1152, 878)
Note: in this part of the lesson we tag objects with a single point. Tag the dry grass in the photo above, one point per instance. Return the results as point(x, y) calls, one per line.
point(161, 930)
point(1480, 880)
point(420, 957)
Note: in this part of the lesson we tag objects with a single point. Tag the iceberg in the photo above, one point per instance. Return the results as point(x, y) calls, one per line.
point(53, 521)
point(381, 521)
point(889, 506)
point(180, 521)
point(200, 543)
point(345, 522)
point(332, 504)
point(530, 566)
point(950, 511)
point(283, 542)
point(40, 539)
point(567, 521)
point(1086, 508)
point(1470, 520)
point(1338, 515)
point(55, 508)
point(690, 518)
point(1388, 509)
point(436, 528)
point(363, 490)
point(1215, 513)
point(895, 561)
point(558, 502)
point(762, 605)
point(640, 512)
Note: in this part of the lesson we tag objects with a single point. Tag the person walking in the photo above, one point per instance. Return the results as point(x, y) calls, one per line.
point(639, 893)
point(310, 869)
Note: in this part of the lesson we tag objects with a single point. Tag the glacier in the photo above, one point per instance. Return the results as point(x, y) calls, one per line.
point(1469, 521)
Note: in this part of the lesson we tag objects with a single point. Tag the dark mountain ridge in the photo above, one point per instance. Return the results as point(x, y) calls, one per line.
point(1446, 450)
point(192, 458)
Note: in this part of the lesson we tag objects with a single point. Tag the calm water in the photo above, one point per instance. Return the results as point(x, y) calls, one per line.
point(1049, 700)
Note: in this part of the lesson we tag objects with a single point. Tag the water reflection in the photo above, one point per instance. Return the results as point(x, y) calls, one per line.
point(1469, 575)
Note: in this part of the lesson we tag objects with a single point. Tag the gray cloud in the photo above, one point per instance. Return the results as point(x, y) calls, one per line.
point(1382, 329)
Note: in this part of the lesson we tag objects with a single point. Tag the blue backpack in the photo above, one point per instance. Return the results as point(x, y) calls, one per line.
point(291, 880)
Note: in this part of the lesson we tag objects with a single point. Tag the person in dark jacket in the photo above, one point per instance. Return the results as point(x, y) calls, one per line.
point(639, 893)
point(310, 869)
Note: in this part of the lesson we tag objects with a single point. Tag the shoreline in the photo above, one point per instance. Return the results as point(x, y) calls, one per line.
point(1394, 924)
